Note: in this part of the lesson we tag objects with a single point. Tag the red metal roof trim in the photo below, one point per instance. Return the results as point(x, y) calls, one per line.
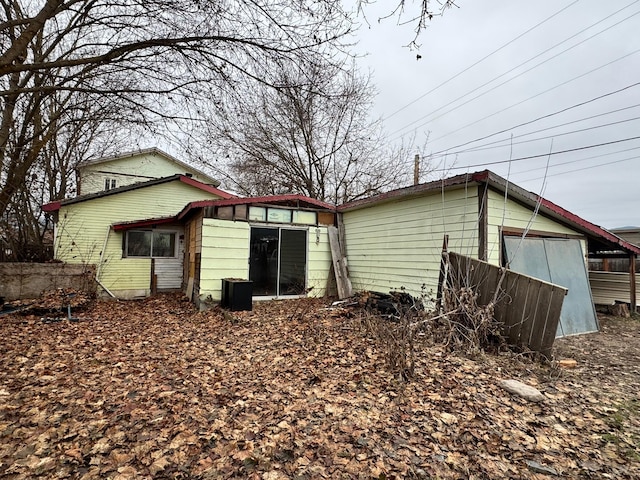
point(143, 223)
point(55, 206)
point(595, 229)
point(205, 187)
point(414, 190)
point(246, 200)
point(52, 206)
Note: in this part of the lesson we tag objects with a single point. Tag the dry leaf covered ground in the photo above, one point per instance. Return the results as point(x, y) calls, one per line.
point(152, 389)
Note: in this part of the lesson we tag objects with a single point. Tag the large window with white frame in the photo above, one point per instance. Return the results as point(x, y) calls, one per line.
point(150, 244)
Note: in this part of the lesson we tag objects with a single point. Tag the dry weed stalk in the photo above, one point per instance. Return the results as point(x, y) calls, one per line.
point(396, 339)
point(467, 326)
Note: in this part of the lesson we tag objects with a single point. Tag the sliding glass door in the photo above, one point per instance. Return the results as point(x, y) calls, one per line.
point(278, 261)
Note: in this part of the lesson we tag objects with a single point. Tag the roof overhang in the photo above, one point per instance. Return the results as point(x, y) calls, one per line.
point(147, 223)
point(514, 192)
point(55, 205)
point(290, 200)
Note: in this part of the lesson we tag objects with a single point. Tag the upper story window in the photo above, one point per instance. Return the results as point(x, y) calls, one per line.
point(110, 183)
point(150, 243)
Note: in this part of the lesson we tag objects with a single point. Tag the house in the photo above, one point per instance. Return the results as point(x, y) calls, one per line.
point(107, 173)
point(178, 232)
point(128, 260)
point(395, 239)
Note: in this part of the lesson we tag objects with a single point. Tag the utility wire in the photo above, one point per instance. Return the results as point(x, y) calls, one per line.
point(518, 66)
point(502, 143)
point(583, 168)
point(582, 159)
point(539, 94)
point(571, 132)
point(529, 157)
point(537, 119)
point(480, 61)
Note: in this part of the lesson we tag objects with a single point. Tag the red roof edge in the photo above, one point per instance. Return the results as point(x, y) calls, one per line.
point(205, 187)
point(52, 206)
point(595, 229)
point(245, 200)
point(143, 223)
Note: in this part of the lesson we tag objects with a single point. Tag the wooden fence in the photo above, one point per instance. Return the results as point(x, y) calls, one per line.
point(528, 308)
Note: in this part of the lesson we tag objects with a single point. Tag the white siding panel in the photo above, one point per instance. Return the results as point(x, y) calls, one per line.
point(399, 244)
point(319, 261)
point(225, 254)
point(169, 270)
point(516, 216)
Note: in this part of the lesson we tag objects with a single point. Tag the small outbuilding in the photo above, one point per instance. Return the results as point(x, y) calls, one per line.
point(394, 240)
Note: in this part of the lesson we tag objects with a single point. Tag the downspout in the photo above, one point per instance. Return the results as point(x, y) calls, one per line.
point(99, 269)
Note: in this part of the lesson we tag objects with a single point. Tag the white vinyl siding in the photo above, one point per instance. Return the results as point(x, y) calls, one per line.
point(319, 261)
point(399, 244)
point(225, 254)
point(516, 216)
point(84, 226)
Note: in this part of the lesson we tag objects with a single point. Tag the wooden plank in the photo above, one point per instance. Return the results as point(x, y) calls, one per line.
point(540, 318)
point(483, 221)
point(551, 325)
point(509, 311)
point(339, 265)
point(522, 319)
point(632, 283)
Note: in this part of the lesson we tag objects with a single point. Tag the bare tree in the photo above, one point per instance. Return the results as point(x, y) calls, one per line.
point(311, 135)
point(140, 65)
point(418, 13)
point(155, 58)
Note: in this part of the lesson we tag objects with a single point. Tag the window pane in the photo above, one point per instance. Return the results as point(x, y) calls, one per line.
point(258, 213)
point(164, 244)
point(138, 244)
point(293, 262)
point(263, 264)
point(278, 215)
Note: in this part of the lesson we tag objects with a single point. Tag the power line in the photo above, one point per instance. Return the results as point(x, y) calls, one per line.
point(480, 61)
point(571, 132)
point(583, 159)
point(510, 139)
point(529, 157)
point(518, 66)
point(582, 169)
point(537, 119)
point(539, 94)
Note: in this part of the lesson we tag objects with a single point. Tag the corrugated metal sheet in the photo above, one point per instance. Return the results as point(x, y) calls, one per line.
point(559, 261)
point(609, 287)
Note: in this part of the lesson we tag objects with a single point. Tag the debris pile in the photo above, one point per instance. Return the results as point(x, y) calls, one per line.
point(51, 301)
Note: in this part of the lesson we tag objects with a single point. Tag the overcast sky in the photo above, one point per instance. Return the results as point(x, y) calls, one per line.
point(491, 65)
